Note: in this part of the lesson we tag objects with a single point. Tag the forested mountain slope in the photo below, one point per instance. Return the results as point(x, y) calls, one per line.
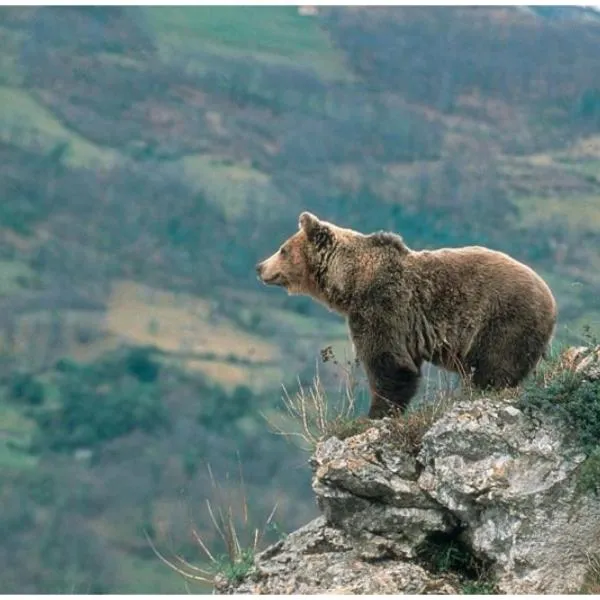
point(150, 156)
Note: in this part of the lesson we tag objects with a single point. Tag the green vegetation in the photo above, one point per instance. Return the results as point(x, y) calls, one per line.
point(235, 570)
point(95, 403)
point(25, 120)
point(230, 186)
point(10, 41)
point(15, 275)
point(264, 33)
point(315, 413)
point(175, 147)
point(446, 553)
point(561, 392)
point(73, 416)
point(229, 514)
point(577, 212)
point(478, 587)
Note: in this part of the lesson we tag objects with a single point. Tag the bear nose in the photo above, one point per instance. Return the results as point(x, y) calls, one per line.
point(259, 268)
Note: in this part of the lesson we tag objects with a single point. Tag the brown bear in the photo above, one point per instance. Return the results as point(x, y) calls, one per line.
point(472, 310)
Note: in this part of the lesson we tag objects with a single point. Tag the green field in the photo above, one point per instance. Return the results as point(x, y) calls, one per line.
point(15, 276)
point(228, 185)
point(272, 34)
point(24, 120)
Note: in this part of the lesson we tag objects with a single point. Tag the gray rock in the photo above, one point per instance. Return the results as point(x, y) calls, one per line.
point(319, 559)
point(500, 481)
point(514, 487)
point(367, 487)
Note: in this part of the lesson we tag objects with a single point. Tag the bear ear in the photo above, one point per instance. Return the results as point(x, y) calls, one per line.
point(308, 222)
point(316, 231)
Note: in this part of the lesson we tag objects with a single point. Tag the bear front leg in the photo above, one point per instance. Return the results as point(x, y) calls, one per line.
point(392, 385)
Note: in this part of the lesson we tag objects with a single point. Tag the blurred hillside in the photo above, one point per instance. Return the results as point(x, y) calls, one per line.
point(150, 156)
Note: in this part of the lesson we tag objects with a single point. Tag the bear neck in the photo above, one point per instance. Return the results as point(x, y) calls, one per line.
point(336, 282)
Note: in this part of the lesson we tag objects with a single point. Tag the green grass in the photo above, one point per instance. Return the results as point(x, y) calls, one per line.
point(15, 430)
point(478, 587)
point(10, 42)
point(26, 122)
point(585, 166)
point(15, 460)
point(13, 423)
point(14, 276)
point(578, 212)
point(271, 34)
point(225, 184)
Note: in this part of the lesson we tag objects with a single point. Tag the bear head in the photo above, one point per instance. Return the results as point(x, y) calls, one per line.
point(323, 261)
point(299, 260)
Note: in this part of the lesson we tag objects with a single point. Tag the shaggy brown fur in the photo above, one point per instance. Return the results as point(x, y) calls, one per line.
point(470, 310)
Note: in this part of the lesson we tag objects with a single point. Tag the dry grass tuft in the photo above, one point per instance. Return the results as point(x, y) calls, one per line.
point(318, 418)
point(241, 540)
point(408, 429)
point(315, 415)
point(591, 584)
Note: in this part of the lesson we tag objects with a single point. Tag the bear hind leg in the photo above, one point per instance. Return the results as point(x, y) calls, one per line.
point(507, 366)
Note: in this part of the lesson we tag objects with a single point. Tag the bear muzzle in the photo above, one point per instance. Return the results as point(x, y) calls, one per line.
point(269, 279)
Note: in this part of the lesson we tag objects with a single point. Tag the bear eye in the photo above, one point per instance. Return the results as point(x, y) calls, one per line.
point(284, 252)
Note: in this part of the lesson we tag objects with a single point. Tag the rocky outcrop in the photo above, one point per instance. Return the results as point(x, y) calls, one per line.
point(319, 558)
point(489, 497)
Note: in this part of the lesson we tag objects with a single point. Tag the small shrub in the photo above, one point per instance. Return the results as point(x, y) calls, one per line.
point(26, 388)
point(153, 327)
point(255, 321)
point(558, 390)
point(220, 410)
point(141, 364)
point(235, 571)
point(65, 365)
point(316, 416)
point(88, 415)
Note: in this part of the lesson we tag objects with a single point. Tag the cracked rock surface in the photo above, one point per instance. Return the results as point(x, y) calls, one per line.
point(500, 481)
point(319, 559)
